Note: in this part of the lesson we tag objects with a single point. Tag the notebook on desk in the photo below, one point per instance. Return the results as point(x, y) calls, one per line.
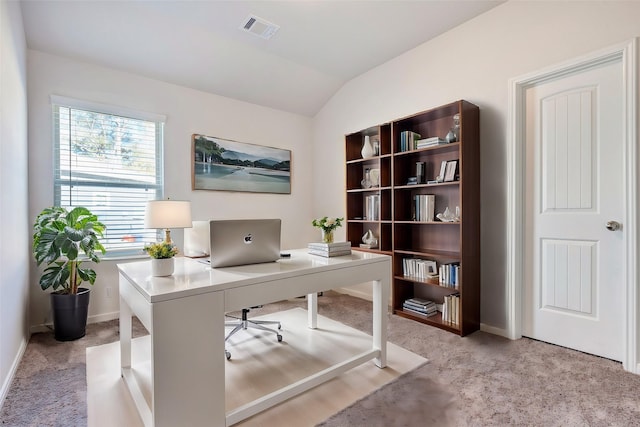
point(244, 241)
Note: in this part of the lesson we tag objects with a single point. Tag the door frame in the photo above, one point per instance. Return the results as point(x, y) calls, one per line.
point(628, 54)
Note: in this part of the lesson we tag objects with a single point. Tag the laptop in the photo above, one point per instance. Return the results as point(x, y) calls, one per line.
point(244, 241)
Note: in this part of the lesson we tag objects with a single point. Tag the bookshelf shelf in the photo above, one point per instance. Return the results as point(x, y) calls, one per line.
point(455, 245)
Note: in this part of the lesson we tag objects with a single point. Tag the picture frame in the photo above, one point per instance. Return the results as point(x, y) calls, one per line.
point(443, 169)
point(450, 172)
point(219, 164)
point(432, 268)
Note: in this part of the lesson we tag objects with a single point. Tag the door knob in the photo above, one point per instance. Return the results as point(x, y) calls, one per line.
point(613, 225)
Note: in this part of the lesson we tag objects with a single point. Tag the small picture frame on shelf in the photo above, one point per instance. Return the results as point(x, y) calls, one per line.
point(450, 171)
point(443, 169)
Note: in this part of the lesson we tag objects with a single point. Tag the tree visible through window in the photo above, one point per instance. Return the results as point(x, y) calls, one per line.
point(110, 164)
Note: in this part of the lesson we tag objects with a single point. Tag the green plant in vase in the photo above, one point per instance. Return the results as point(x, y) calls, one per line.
point(327, 225)
point(63, 240)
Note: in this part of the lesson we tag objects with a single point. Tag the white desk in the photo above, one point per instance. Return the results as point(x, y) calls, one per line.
point(184, 314)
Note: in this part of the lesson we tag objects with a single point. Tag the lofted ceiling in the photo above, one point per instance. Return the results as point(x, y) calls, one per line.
point(319, 46)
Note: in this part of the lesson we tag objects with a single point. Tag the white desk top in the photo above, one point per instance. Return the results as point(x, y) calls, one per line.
point(193, 277)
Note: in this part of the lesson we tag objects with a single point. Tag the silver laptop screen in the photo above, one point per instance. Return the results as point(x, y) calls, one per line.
point(244, 241)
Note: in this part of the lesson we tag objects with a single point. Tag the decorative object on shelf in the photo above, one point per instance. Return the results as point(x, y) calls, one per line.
point(443, 170)
point(376, 145)
point(327, 226)
point(161, 254)
point(167, 214)
point(225, 165)
point(366, 181)
point(420, 171)
point(367, 148)
point(369, 240)
point(451, 136)
point(456, 126)
point(374, 177)
point(450, 171)
point(448, 216)
point(454, 132)
point(59, 239)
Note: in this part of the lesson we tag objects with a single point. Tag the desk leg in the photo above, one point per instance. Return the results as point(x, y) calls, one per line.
point(188, 363)
point(125, 335)
point(312, 310)
point(380, 307)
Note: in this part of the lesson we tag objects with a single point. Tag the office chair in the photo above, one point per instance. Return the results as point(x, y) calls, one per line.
point(244, 323)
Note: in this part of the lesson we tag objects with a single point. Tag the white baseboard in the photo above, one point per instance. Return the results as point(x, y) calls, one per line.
point(12, 372)
point(48, 327)
point(355, 293)
point(493, 330)
point(103, 317)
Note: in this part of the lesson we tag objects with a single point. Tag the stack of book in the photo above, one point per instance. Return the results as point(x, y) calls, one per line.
point(420, 306)
point(408, 140)
point(429, 142)
point(330, 249)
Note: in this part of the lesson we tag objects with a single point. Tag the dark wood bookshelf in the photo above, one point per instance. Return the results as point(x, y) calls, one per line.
point(398, 233)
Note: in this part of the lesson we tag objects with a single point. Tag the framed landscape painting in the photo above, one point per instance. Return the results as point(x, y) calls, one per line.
point(225, 165)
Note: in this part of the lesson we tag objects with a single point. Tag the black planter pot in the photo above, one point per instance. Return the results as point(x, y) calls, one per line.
point(70, 314)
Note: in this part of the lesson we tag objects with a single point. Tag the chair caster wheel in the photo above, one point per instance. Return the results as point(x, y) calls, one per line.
point(279, 326)
point(227, 355)
point(279, 338)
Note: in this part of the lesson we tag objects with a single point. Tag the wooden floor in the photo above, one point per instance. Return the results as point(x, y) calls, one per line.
point(259, 365)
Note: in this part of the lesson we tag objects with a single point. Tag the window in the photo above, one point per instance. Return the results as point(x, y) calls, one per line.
point(110, 161)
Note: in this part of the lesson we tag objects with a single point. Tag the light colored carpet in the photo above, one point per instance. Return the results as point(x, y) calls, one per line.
point(260, 365)
point(478, 380)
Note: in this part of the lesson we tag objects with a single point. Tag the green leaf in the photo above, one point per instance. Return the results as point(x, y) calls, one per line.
point(55, 276)
point(87, 274)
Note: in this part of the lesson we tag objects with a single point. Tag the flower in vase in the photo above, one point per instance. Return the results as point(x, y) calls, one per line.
point(327, 224)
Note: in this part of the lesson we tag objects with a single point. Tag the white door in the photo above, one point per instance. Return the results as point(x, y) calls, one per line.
point(574, 265)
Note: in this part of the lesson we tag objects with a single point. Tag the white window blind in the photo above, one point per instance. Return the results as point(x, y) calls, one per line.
point(110, 164)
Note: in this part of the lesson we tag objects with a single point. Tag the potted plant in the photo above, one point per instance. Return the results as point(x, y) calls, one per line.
point(62, 241)
point(327, 225)
point(161, 254)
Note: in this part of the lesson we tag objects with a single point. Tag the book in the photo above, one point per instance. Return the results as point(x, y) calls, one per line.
point(327, 254)
point(420, 301)
point(419, 312)
point(429, 310)
point(451, 309)
point(424, 207)
point(329, 246)
point(430, 142)
point(421, 269)
point(372, 207)
point(408, 140)
point(450, 275)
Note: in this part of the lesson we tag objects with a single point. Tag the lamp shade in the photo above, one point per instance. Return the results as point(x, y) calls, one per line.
point(167, 214)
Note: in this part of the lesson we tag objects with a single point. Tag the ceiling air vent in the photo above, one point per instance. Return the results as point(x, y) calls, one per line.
point(259, 27)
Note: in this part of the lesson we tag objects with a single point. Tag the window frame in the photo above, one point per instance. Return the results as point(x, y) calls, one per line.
point(159, 120)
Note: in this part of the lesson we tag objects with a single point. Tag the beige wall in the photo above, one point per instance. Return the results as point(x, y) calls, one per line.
point(474, 62)
point(188, 111)
point(14, 227)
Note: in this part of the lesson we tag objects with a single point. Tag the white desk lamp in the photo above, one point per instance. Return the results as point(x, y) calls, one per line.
point(167, 214)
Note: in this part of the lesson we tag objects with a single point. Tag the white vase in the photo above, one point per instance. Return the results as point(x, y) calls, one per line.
point(162, 267)
point(367, 148)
